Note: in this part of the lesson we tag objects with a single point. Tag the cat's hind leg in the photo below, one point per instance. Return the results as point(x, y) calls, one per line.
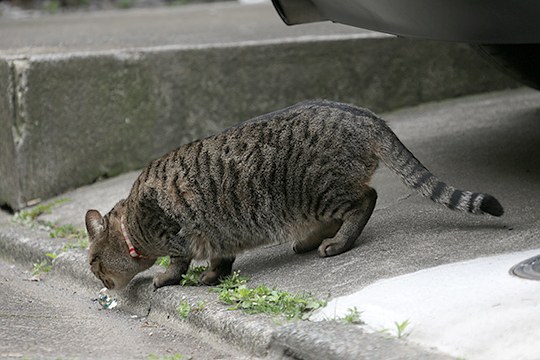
point(353, 224)
point(173, 274)
point(220, 267)
point(316, 235)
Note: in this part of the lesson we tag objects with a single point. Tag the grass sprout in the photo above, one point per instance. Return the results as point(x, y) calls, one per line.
point(184, 309)
point(81, 244)
point(51, 256)
point(352, 317)
point(67, 231)
point(28, 216)
point(191, 278)
point(168, 357)
point(164, 261)
point(401, 329)
point(41, 267)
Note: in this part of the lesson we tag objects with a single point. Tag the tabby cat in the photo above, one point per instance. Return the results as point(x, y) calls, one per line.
point(299, 174)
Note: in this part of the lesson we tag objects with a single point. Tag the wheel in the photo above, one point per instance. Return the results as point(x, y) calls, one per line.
point(520, 61)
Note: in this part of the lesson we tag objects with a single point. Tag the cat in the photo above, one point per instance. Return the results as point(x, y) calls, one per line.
point(298, 174)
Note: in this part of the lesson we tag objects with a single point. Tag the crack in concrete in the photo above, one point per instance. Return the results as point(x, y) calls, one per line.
point(17, 90)
point(19, 86)
point(398, 200)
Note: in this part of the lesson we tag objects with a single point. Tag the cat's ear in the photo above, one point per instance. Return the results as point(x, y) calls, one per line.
point(95, 223)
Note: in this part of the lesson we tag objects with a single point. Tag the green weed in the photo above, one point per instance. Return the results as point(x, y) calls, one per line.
point(232, 281)
point(184, 308)
point(51, 256)
point(177, 2)
point(81, 244)
point(125, 4)
point(26, 217)
point(45, 265)
point(168, 357)
point(164, 261)
point(262, 299)
point(191, 278)
point(30, 218)
point(67, 231)
point(201, 305)
point(52, 6)
point(352, 316)
point(401, 329)
point(41, 267)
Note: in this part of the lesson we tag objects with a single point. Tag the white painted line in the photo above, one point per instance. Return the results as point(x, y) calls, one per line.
point(473, 309)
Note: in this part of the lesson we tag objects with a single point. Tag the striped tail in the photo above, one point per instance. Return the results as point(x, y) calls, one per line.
point(411, 171)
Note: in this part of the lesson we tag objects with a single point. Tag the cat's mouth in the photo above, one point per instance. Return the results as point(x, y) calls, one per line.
point(108, 283)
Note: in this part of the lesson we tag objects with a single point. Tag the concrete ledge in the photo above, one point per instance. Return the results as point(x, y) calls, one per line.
point(71, 118)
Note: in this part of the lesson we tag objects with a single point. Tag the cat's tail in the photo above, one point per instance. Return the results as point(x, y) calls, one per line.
point(411, 171)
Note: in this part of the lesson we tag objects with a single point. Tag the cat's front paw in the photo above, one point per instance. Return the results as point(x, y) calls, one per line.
point(209, 278)
point(165, 279)
point(331, 247)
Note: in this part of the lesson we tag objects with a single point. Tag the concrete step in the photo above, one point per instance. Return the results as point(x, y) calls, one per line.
point(85, 96)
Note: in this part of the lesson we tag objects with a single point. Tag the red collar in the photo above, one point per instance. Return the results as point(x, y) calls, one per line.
point(132, 251)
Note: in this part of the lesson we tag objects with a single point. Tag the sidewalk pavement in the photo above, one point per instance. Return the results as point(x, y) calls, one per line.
point(480, 143)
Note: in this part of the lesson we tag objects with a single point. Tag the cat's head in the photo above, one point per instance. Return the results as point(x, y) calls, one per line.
point(108, 254)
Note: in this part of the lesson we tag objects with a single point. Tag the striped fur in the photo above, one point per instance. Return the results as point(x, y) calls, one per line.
point(300, 174)
point(411, 171)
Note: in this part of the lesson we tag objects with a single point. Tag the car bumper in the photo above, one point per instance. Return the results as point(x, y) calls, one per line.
point(474, 21)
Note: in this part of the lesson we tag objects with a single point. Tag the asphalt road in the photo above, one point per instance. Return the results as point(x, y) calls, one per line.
point(49, 319)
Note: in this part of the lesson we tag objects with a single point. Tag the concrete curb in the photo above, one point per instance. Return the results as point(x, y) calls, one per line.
point(258, 334)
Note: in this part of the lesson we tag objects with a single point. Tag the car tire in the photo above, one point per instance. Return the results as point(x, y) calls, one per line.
point(519, 61)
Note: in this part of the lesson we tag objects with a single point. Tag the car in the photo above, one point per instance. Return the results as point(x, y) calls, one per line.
point(506, 32)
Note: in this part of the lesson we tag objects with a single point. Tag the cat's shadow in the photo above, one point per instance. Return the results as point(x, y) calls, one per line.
point(281, 258)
